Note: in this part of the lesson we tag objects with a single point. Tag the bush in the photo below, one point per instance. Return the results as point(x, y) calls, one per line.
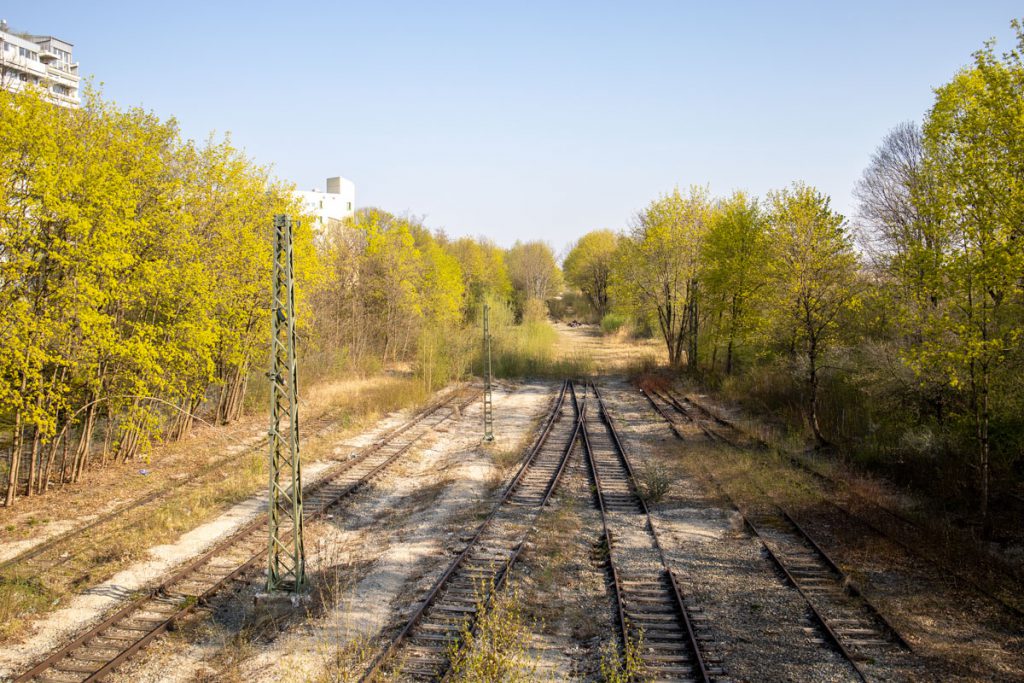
point(654, 481)
point(528, 350)
point(496, 646)
point(612, 322)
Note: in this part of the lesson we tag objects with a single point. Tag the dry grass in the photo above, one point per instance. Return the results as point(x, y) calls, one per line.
point(113, 546)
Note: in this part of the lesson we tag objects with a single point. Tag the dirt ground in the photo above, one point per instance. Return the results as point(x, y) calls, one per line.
point(375, 556)
point(372, 558)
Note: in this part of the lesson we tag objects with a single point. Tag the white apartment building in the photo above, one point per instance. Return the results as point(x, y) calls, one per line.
point(336, 204)
point(38, 60)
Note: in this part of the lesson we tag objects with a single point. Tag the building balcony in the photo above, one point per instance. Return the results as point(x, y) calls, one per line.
point(63, 76)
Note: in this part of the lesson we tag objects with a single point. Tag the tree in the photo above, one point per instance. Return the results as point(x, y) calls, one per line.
point(133, 273)
point(657, 267)
point(484, 271)
point(533, 271)
point(812, 280)
point(974, 142)
point(588, 267)
point(733, 270)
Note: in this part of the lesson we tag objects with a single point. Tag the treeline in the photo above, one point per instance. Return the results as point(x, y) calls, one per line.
point(899, 336)
point(134, 281)
point(398, 292)
point(132, 278)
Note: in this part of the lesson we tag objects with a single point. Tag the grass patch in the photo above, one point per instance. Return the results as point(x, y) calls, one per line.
point(612, 323)
point(19, 597)
point(529, 350)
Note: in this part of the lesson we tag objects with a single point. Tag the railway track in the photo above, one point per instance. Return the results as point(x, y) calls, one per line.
point(420, 650)
point(720, 429)
point(651, 607)
point(101, 649)
point(63, 549)
point(844, 616)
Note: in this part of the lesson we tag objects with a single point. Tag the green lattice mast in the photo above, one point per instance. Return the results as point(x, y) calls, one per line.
point(286, 569)
point(488, 406)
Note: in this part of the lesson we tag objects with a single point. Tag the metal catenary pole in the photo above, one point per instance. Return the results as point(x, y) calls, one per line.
point(286, 569)
point(488, 406)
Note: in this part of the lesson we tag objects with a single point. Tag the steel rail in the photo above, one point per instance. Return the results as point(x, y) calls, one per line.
point(802, 464)
point(677, 593)
point(860, 519)
point(255, 528)
point(830, 633)
point(319, 425)
point(396, 642)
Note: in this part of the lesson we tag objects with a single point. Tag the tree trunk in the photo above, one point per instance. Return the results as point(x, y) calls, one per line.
point(184, 417)
point(734, 309)
point(84, 441)
point(813, 381)
point(13, 472)
point(692, 329)
point(44, 484)
point(16, 448)
point(33, 468)
point(982, 421)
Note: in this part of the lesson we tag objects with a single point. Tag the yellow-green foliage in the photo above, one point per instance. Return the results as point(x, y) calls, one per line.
point(588, 267)
point(528, 349)
point(622, 667)
point(134, 264)
point(494, 647)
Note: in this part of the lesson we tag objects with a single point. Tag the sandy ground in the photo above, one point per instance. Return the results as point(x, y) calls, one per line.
point(34, 520)
point(87, 608)
point(378, 552)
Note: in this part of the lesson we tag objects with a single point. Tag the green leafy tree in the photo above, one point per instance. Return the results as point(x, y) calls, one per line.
point(733, 270)
point(534, 274)
point(974, 140)
point(484, 271)
point(588, 267)
point(657, 267)
point(813, 280)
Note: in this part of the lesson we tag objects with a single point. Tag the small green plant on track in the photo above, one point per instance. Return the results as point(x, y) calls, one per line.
point(654, 482)
point(494, 647)
point(618, 666)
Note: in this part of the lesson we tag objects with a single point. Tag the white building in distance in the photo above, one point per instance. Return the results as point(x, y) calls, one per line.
point(44, 61)
point(336, 204)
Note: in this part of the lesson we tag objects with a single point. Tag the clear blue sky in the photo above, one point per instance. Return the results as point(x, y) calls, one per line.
point(532, 120)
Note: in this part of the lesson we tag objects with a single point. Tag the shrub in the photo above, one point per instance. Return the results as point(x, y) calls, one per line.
point(654, 482)
point(495, 647)
point(612, 322)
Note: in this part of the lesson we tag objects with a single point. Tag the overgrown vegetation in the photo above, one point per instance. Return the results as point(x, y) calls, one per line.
point(20, 596)
point(623, 665)
point(135, 285)
point(904, 352)
point(654, 481)
point(494, 646)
